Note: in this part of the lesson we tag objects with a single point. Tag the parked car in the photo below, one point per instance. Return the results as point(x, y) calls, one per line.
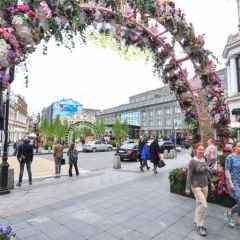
point(166, 145)
point(97, 145)
point(186, 144)
point(128, 151)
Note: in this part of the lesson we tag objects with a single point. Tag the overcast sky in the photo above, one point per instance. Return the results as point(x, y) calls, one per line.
point(100, 78)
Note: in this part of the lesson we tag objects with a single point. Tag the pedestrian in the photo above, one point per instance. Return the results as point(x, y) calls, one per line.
point(73, 159)
point(232, 172)
point(155, 154)
point(25, 156)
point(198, 179)
point(15, 147)
point(58, 156)
point(140, 148)
point(211, 155)
point(145, 156)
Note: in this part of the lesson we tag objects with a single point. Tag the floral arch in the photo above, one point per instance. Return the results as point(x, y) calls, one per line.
point(153, 24)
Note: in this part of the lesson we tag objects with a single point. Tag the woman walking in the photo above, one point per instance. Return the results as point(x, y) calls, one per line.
point(197, 181)
point(144, 156)
point(232, 172)
point(73, 159)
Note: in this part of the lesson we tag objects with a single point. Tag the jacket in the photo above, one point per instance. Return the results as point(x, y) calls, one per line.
point(25, 152)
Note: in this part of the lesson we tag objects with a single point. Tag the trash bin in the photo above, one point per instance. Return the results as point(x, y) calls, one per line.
point(116, 161)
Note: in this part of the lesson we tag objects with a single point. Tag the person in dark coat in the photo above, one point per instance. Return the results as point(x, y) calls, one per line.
point(73, 159)
point(155, 154)
point(25, 156)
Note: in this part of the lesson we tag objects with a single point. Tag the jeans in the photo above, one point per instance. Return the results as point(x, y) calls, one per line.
point(75, 166)
point(22, 164)
point(58, 166)
point(200, 195)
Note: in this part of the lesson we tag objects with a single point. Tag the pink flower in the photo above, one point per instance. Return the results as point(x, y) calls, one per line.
point(22, 7)
point(46, 9)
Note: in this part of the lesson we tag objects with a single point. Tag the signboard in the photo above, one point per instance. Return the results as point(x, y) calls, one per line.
point(66, 107)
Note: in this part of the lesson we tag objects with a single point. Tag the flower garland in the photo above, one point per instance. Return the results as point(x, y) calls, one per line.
point(140, 23)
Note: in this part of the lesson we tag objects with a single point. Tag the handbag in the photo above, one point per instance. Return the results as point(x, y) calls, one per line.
point(161, 164)
point(63, 162)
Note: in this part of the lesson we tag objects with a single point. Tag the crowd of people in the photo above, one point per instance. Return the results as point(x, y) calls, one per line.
point(200, 170)
point(201, 167)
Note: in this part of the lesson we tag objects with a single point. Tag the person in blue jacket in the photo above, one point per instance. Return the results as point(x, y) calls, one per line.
point(145, 154)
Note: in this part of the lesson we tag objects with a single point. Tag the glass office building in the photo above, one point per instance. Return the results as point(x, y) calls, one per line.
point(155, 112)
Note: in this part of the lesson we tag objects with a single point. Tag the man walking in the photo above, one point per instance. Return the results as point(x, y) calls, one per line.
point(58, 156)
point(155, 154)
point(25, 156)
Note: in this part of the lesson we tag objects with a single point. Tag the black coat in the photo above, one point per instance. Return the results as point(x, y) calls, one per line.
point(154, 152)
point(25, 152)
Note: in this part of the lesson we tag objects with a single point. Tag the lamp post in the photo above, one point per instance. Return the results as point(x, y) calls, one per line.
point(4, 165)
point(238, 5)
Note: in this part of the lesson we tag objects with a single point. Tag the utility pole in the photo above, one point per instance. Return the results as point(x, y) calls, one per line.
point(4, 165)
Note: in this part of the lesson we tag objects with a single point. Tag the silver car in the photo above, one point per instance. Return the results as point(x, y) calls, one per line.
point(97, 145)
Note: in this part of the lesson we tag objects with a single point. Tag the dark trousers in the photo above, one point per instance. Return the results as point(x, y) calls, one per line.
point(236, 208)
point(143, 163)
point(22, 164)
point(75, 166)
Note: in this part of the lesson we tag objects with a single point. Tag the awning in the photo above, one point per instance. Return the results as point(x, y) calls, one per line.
point(236, 111)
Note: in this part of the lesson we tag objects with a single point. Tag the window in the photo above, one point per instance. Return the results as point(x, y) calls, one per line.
point(238, 72)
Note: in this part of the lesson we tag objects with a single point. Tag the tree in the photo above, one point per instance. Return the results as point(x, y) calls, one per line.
point(120, 131)
point(99, 128)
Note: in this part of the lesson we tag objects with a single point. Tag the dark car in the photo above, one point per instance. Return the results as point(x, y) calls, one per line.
point(186, 144)
point(128, 151)
point(166, 145)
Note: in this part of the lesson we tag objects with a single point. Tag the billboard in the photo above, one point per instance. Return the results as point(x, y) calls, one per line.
point(65, 108)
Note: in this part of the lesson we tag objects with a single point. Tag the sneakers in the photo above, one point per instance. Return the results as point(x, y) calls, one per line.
point(230, 220)
point(30, 183)
point(202, 231)
point(148, 168)
point(141, 168)
point(19, 184)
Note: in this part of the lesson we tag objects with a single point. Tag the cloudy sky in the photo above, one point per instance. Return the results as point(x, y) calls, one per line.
point(100, 78)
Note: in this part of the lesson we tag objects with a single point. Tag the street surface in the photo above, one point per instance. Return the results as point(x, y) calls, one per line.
point(108, 204)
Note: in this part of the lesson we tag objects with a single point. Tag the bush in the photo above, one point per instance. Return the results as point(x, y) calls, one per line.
point(177, 178)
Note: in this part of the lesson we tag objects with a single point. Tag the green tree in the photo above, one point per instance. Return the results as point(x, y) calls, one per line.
point(120, 131)
point(99, 128)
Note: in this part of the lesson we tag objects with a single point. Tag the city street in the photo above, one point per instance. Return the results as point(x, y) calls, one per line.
point(109, 205)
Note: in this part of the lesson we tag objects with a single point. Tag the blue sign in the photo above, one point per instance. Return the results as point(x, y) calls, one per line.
point(66, 107)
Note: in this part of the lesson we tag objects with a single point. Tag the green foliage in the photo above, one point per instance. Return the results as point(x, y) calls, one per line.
point(99, 127)
point(55, 128)
point(120, 131)
point(177, 178)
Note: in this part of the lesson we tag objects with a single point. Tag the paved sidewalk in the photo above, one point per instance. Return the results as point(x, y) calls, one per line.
point(41, 168)
point(108, 205)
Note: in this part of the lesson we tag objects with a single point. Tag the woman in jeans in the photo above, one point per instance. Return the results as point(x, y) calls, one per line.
point(73, 159)
point(197, 181)
point(232, 172)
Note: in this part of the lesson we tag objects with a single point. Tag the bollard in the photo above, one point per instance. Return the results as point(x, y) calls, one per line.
point(116, 161)
point(165, 154)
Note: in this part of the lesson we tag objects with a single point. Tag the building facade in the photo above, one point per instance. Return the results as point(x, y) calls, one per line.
point(86, 115)
point(156, 112)
point(18, 119)
point(64, 108)
point(232, 55)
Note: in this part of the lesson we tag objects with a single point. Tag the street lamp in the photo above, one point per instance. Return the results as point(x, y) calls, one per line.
point(4, 165)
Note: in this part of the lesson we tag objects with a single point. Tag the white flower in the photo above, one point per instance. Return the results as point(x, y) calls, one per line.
point(17, 20)
point(23, 30)
point(4, 49)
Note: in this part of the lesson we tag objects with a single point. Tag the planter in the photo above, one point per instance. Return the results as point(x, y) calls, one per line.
point(178, 183)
